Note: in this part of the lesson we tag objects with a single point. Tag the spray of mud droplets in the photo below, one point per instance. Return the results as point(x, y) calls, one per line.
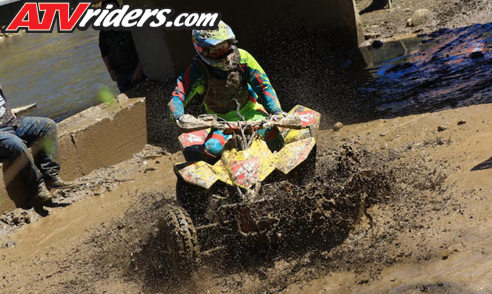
point(327, 225)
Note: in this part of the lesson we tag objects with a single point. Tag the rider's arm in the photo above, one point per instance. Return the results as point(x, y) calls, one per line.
point(260, 83)
point(185, 89)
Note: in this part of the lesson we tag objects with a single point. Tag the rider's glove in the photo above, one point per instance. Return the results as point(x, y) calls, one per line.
point(277, 115)
point(185, 118)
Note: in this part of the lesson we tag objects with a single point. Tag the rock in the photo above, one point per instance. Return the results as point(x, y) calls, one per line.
point(382, 134)
point(10, 244)
point(420, 17)
point(441, 128)
point(150, 169)
point(377, 44)
point(461, 122)
point(337, 126)
point(476, 54)
point(17, 220)
point(21, 109)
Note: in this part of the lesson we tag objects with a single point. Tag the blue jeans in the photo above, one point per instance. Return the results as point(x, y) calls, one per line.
point(39, 134)
point(125, 81)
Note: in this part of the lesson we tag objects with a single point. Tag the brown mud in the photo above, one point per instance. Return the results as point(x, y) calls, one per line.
point(423, 228)
point(399, 205)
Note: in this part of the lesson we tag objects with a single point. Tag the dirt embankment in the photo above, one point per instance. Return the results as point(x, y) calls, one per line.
point(380, 21)
point(407, 203)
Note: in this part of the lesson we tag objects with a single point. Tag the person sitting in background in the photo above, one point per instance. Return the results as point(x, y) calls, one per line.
point(19, 134)
point(120, 56)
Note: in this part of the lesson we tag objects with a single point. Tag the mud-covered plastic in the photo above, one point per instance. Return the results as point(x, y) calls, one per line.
point(247, 159)
point(178, 238)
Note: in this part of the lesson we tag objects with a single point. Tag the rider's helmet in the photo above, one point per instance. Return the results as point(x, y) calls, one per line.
point(215, 47)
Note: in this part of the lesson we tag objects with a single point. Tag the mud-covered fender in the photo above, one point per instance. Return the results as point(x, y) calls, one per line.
point(294, 154)
point(193, 138)
point(198, 173)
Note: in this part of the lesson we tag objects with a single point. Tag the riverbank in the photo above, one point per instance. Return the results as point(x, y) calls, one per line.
point(425, 16)
point(4, 36)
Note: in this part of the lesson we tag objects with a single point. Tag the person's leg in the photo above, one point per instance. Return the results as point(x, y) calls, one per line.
point(124, 82)
point(13, 149)
point(214, 144)
point(41, 135)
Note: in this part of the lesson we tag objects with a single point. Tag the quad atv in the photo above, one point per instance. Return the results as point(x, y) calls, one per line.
point(218, 202)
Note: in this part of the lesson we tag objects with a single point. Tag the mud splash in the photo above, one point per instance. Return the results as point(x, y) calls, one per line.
point(332, 230)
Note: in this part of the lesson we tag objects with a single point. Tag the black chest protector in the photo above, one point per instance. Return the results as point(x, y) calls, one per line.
point(220, 93)
point(6, 115)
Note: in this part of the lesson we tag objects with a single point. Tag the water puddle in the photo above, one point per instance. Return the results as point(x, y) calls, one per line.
point(441, 70)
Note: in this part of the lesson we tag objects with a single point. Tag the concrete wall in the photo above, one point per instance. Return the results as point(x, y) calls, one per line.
point(155, 57)
point(99, 136)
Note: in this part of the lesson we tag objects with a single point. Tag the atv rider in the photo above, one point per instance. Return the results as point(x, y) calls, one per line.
point(224, 75)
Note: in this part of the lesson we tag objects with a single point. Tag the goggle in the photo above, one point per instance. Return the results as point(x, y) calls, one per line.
point(218, 50)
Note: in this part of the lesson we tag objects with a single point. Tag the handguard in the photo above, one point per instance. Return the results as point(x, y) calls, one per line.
point(190, 123)
point(291, 121)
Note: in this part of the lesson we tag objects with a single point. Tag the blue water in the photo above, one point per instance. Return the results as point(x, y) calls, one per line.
point(442, 70)
point(61, 73)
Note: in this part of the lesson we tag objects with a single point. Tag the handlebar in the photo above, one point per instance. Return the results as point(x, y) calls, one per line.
point(206, 121)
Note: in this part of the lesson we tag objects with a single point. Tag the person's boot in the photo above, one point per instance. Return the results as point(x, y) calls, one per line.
point(55, 182)
point(43, 196)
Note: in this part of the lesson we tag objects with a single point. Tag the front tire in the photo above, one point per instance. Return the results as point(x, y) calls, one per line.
point(179, 242)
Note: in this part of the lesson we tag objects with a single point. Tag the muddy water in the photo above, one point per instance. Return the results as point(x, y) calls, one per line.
point(442, 70)
point(61, 73)
point(458, 269)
